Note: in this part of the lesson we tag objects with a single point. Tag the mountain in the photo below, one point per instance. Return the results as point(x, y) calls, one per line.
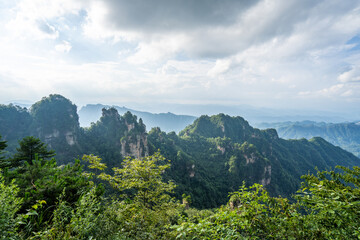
point(166, 121)
point(15, 122)
point(214, 155)
point(346, 135)
point(209, 158)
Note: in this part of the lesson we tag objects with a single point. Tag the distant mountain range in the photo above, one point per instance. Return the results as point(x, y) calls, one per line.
point(166, 121)
point(174, 122)
point(346, 135)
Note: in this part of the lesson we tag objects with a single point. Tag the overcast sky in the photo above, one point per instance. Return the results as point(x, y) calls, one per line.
point(265, 53)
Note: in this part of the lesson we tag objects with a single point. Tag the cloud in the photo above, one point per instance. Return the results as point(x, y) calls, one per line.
point(33, 17)
point(190, 50)
point(178, 15)
point(353, 75)
point(63, 47)
point(48, 29)
point(221, 66)
point(348, 91)
point(220, 29)
point(159, 49)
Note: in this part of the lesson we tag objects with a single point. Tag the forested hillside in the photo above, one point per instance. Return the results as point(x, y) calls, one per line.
point(42, 200)
point(227, 150)
point(345, 135)
point(210, 157)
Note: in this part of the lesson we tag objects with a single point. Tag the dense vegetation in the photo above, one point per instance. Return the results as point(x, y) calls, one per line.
point(210, 158)
point(40, 200)
point(214, 155)
point(15, 124)
point(345, 135)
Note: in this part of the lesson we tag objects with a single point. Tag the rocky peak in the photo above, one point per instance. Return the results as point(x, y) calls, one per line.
point(221, 125)
point(55, 120)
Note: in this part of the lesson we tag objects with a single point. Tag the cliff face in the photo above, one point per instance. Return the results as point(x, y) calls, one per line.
point(56, 122)
point(134, 143)
point(135, 146)
point(122, 135)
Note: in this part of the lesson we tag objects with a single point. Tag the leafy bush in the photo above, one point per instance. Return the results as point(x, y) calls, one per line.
point(10, 204)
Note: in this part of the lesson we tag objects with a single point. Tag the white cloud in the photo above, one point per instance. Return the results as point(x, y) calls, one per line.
point(201, 51)
point(32, 17)
point(353, 75)
point(159, 49)
point(221, 66)
point(63, 47)
point(347, 92)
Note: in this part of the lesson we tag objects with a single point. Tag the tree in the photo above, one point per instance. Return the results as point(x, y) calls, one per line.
point(147, 210)
point(4, 162)
point(10, 204)
point(45, 180)
point(138, 179)
point(3, 145)
point(29, 148)
point(332, 201)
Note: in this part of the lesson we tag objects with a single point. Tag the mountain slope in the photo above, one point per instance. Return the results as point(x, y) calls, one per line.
point(226, 151)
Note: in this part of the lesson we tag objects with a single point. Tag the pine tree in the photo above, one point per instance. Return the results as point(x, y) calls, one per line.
point(3, 161)
point(29, 148)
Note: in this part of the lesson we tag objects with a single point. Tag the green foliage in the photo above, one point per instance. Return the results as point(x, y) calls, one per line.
point(251, 214)
point(111, 133)
point(41, 181)
point(56, 122)
point(215, 154)
point(94, 161)
point(15, 124)
point(50, 202)
point(147, 210)
point(86, 219)
point(10, 204)
point(3, 145)
point(44, 180)
point(33, 220)
point(332, 200)
point(327, 208)
point(30, 148)
point(139, 179)
point(54, 112)
point(221, 125)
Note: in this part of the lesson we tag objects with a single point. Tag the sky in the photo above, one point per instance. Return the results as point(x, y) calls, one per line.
point(263, 53)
